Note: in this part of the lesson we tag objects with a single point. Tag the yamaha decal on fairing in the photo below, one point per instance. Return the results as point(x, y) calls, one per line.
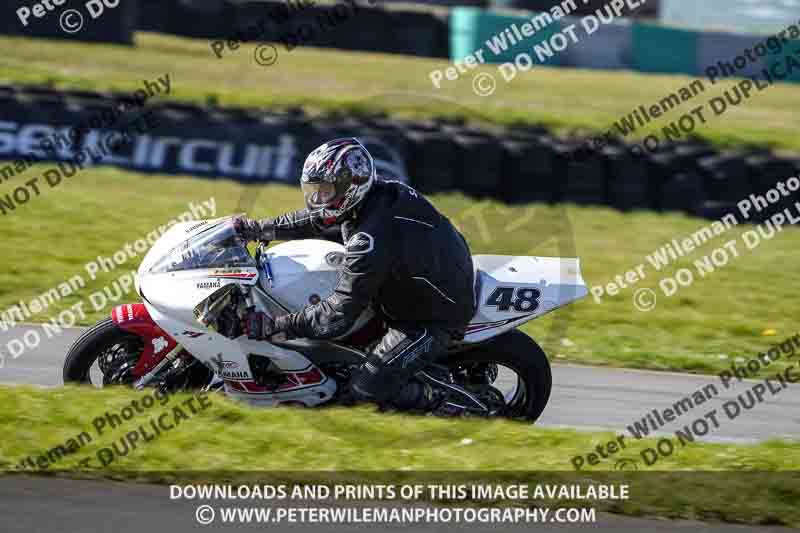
point(236, 375)
point(195, 226)
point(241, 275)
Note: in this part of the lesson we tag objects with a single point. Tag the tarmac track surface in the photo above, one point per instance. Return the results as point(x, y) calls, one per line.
point(588, 398)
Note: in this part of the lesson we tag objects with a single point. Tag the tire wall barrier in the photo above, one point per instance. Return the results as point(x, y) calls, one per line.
point(375, 25)
point(418, 31)
point(99, 22)
point(435, 30)
point(518, 164)
point(622, 44)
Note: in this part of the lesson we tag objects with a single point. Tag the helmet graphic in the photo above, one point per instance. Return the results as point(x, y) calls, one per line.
point(337, 176)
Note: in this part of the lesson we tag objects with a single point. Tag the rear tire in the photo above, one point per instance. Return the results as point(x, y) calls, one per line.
point(85, 351)
point(520, 353)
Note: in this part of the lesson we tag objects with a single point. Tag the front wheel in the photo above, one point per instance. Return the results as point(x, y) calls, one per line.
point(107, 355)
point(510, 373)
point(104, 355)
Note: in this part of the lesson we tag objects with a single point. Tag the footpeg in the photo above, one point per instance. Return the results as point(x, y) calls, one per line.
point(457, 397)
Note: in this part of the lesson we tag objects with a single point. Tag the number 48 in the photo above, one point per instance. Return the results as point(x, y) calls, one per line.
point(503, 298)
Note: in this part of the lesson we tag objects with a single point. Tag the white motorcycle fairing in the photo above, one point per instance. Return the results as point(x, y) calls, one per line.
point(194, 260)
point(514, 290)
point(170, 298)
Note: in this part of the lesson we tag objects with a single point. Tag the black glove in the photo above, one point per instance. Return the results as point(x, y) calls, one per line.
point(258, 326)
point(254, 230)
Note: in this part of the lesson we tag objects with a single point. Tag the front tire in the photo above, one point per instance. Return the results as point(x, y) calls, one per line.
point(518, 352)
point(115, 350)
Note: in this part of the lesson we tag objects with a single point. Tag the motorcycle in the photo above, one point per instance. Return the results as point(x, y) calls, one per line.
point(200, 278)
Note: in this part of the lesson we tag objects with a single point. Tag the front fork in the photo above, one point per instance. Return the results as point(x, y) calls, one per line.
point(168, 359)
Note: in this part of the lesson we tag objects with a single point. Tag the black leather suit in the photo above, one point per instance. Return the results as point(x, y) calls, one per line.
point(408, 259)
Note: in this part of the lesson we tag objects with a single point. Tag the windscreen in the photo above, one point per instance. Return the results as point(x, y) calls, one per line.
point(219, 246)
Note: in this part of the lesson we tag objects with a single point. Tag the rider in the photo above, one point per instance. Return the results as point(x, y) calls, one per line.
point(401, 254)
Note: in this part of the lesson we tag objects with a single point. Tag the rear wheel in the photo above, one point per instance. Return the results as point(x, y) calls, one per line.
point(510, 373)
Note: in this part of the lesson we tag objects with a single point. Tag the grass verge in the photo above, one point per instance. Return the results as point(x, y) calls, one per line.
point(555, 97)
point(229, 442)
point(729, 315)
